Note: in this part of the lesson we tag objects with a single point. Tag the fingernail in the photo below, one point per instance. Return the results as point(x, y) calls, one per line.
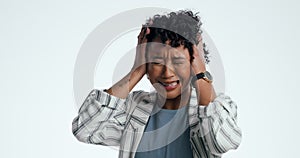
point(147, 30)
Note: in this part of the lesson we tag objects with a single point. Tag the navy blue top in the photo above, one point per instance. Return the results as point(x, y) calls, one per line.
point(167, 135)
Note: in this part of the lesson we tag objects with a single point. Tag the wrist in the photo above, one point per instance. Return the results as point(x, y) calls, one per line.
point(198, 67)
point(205, 92)
point(139, 71)
point(197, 71)
point(203, 76)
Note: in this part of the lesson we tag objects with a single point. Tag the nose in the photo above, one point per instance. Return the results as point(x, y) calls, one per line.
point(168, 72)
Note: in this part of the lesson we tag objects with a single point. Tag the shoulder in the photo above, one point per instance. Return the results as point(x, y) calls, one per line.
point(142, 96)
point(140, 100)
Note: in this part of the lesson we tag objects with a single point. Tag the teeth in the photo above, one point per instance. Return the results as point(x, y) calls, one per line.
point(171, 84)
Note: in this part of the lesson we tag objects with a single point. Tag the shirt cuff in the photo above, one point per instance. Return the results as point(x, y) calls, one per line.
point(217, 105)
point(105, 99)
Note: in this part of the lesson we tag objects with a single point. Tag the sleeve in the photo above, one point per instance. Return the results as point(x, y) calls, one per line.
point(101, 119)
point(218, 125)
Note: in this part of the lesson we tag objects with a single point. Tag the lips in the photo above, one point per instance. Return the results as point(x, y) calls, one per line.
point(169, 85)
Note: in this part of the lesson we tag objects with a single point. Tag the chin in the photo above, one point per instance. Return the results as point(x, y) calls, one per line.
point(172, 96)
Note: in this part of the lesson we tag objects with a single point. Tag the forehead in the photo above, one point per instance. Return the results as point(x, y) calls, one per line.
point(156, 48)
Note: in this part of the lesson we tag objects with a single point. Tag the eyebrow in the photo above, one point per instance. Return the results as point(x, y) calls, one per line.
point(178, 58)
point(157, 57)
point(174, 58)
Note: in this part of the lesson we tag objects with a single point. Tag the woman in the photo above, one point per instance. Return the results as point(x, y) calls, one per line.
point(183, 117)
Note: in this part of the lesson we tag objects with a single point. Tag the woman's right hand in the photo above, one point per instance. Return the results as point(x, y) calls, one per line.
point(140, 60)
point(123, 87)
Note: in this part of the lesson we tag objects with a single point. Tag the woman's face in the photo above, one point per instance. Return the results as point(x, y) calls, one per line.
point(168, 69)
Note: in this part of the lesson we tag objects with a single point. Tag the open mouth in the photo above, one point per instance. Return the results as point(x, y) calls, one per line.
point(169, 85)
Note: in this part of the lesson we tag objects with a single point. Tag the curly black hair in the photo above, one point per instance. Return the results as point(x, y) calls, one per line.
point(180, 28)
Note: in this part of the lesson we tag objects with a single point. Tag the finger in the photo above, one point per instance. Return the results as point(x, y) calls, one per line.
point(147, 31)
point(199, 38)
point(195, 50)
point(142, 36)
point(142, 33)
point(198, 53)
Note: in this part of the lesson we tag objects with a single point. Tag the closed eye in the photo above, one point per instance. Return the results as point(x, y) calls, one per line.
point(157, 60)
point(177, 62)
point(157, 63)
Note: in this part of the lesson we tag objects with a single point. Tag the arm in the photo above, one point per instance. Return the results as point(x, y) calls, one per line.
point(205, 91)
point(122, 88)
point(218, 125)
point(217, 113)
point(102, 116)
point(100, 119)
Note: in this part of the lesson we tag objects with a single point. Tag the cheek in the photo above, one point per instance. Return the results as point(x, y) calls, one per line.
point(184, 69)
point(184, 73)
point(152, 74)
point(154, 70)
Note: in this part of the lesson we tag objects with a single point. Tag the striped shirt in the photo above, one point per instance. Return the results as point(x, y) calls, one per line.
point(104, 119)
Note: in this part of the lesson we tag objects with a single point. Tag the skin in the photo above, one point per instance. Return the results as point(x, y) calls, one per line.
point(169, 71)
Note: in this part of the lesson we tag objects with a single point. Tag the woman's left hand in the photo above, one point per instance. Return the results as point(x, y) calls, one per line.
point(198, 64)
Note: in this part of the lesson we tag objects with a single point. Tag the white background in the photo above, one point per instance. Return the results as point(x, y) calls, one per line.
point(39, 42)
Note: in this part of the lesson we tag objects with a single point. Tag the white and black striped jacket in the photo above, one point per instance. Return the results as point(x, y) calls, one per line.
point(107, 120)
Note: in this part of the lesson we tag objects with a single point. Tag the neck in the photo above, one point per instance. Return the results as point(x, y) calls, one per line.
point(178, 102)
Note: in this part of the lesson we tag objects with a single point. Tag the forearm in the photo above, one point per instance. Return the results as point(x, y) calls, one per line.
point(123, 87)
point(100, 110)
point(205, 92)
point(219, 124)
